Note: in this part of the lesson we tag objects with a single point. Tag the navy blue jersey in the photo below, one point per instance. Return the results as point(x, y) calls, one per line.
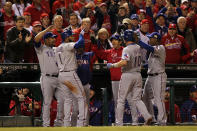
point(83, 69)
point(188, 109)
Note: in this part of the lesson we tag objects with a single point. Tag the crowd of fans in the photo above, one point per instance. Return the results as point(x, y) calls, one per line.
point(106, 18)
point(21, 20)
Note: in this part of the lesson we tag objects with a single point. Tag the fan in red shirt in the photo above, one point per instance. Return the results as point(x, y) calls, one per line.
point(85, 25)
point(57, 4)
point(177, 50)
point(36, 9)
point(78, 6)
point(6, 19)
point(58, 22)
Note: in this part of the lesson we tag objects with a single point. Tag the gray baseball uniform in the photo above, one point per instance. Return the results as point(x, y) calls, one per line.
point(131, 81)
point(70, 82)
point(48, 80)
point(156, 83)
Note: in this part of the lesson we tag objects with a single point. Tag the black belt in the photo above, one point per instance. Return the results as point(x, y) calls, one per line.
point(155, 74)
point(52, 75)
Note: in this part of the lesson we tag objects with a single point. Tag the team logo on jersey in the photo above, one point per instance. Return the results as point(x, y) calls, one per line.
point(126, 56)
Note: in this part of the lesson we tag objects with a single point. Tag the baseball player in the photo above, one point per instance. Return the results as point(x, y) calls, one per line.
point(156, 82)
point(69, 80)
point(112, 56)
point(131, 79)
point(49, 70)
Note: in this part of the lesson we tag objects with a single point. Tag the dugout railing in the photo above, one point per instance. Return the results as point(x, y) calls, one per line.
point(185, 76)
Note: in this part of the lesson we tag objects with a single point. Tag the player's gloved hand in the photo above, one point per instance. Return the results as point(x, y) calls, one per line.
point(82, 32)
point(109, 65)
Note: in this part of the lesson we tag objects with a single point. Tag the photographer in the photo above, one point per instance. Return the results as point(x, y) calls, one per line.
point(21, 104)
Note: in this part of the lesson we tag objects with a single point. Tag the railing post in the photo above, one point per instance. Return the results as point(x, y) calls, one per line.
point(172, 119)
point(105, 107)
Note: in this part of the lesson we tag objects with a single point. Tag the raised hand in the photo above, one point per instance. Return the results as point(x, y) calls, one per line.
point(20, 36)
point(28, 38)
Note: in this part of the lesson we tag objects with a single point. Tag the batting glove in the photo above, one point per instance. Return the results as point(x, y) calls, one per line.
point(109, 65)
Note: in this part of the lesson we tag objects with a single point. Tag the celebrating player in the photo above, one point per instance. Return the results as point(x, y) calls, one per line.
point(131, 79)
point(49, 70)
point(69, 80)
point(156, 82)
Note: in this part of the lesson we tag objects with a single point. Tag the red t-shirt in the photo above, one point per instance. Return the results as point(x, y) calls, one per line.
point(58, 38)
point(35, 13)
point(112, 56)
point(88, 43)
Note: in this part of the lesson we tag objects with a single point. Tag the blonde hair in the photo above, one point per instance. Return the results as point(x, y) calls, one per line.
point(86, 20)
point(102, 30)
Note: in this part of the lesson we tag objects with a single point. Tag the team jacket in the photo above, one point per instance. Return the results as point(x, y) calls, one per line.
point(176, 112)
point(112, 56)
point(83, 70)
point(177, 50)
point(188, 109)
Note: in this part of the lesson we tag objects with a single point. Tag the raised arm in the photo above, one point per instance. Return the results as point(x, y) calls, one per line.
point(39, 36)
point(146, 46)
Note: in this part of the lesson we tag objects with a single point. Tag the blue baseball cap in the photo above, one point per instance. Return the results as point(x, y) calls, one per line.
point(115, 36)
point(154, 35)
point(134, 16)
point(66, 33)
point(161, 14)
point(193, 88)
point(128, 35)
point(49, 35)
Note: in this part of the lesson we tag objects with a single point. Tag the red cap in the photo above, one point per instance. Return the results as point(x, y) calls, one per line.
point(43, 15)
point(103, 4)
point(141, 11)
point(36, 23)
point(172, 26)
point(26, 13)
point(183, 7)
point(144, 21)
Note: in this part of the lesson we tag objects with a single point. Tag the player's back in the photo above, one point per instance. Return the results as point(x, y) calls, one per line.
point(66, 58)
point(133, 54)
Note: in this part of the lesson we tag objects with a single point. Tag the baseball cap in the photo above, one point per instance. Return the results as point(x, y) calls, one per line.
point(161, 14)
point(126, 21)
point(182, 1)
point(183, 7)
point(141, 11)
point(115, 36)
point(144, 21)
point(36, 23)
point(66, 33)
point(134, 16)
point(26, 13)
point(193, 88)
point(49, 35)
point(154, 35)
point(103, 4)
point(43, 15)
point(172, 26)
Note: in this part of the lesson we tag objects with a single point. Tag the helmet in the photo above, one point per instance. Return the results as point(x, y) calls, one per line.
point(66, 33)
point(128, 35)
point(115, 36)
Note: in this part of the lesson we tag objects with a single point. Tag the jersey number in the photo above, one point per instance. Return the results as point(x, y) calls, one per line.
point(138, 61)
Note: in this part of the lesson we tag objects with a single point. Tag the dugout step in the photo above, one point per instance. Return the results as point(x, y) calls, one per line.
point(15, 121)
